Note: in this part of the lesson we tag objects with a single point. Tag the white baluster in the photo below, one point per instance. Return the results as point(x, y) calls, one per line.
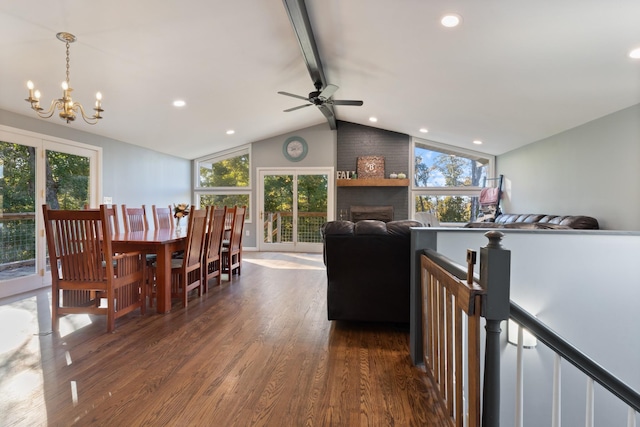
point(557, 387)
point(519, 380)
point(631, 418)
point(589, 414)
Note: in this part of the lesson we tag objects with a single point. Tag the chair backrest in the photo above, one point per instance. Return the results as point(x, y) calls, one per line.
point(135, 219)
point(195, 237)
point(162, 218)
point(112, 218)
point(79, 243)
point(235, 241)
point(215, 231)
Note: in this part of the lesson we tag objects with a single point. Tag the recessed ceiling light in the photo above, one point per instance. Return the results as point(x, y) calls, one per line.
point(373, 119)
point(231, 132)
point(424, 130)
point(179, 103)
point(451, 20)
point(477, 142)
point(635, 53)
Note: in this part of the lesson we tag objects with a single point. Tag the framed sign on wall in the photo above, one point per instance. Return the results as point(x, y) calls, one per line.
point(371, 167)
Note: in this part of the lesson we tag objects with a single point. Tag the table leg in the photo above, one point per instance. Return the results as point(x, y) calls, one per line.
point(163, 279)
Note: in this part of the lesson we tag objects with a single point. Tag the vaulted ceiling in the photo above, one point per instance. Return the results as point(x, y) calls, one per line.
point(510, 74)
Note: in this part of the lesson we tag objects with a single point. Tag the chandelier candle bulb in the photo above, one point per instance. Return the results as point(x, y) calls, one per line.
point(30, 86)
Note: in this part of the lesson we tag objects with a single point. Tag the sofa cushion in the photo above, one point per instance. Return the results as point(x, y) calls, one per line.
point(547, 222)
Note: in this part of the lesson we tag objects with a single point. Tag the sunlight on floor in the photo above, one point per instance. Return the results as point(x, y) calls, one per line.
point(72, 322)
point(21, 379)
point(294, 261)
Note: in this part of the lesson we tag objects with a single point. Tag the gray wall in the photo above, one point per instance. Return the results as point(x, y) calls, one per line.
point(267, 153)
point(593, 169)
point(131, 175)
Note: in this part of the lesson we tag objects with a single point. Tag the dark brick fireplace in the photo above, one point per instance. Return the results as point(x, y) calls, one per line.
point(355, 141)
point(381, 213)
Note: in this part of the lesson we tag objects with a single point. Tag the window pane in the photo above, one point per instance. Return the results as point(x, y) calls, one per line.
point(67, 180)
point(17, 210)
point(440, 168)
point(449, 208)
point(312, 207)
point(229, 172)
point(221, 200)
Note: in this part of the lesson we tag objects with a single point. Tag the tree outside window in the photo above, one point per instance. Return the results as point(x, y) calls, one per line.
point(447, 181)
point(224, 180)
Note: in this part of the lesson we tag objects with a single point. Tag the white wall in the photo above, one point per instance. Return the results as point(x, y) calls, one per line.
point(593, 169)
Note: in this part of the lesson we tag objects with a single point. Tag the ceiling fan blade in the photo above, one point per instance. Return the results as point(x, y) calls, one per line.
point(294, 96)
point(328, 91)
point(298, 107)
point(343, 102)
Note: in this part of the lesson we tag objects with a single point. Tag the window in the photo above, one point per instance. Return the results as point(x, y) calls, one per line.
point(447, 180)
point(224, 179)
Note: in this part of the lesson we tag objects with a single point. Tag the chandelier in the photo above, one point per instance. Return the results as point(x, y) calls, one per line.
point(68, 108)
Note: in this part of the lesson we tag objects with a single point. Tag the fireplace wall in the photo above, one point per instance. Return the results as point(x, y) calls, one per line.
point(355, 141)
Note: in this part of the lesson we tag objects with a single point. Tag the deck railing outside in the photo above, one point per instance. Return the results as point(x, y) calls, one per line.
point(17, 243)
point(278, 227)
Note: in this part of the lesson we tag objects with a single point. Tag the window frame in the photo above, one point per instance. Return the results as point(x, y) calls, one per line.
point(200, 191)
point(471, 191)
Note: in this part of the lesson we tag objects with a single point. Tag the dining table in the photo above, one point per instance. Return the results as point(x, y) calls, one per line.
point(163, 243)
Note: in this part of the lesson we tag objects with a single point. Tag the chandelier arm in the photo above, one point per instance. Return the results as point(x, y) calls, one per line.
point(92, 120)
point(52, 108)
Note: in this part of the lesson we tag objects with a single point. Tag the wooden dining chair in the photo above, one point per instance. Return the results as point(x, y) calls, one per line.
point(212, 265)
point(162, 218)
point(228, 224)
point(134, 219)
point(186, 272)
point(112, 217)
point(232, 253)
point(84, 269)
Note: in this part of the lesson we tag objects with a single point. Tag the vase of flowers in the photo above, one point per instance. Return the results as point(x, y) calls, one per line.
point(180, 211)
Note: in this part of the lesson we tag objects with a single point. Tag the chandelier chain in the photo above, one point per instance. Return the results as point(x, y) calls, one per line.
point(67, 62)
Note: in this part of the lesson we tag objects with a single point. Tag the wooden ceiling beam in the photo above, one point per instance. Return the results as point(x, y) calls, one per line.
point(297, 11)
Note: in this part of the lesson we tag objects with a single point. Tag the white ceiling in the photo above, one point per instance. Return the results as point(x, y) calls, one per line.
point(514, 72)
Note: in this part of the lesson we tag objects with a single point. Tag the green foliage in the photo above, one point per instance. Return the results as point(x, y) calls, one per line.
point(221, 200)
point(278, 193)
point(67, 180)
point(231, 172)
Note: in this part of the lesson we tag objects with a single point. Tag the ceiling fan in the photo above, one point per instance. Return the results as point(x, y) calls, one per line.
point(320, 98)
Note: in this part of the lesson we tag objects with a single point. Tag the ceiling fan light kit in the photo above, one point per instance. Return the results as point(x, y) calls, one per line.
point(67, 106)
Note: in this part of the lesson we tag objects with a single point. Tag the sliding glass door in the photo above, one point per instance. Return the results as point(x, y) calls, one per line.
point(294, 203)
point(34, 171)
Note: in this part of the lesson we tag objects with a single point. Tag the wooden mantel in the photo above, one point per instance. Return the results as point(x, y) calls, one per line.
point(373, 182)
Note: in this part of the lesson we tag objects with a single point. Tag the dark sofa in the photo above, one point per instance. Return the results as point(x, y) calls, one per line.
point(368, 270)
point(539, 221)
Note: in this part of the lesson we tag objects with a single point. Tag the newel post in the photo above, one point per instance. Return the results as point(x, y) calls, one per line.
point(495, 271)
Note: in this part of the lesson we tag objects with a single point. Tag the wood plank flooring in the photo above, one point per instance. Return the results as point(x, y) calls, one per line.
point(256, 351)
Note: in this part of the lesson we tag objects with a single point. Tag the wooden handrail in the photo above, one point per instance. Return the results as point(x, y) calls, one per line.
point(446, 297)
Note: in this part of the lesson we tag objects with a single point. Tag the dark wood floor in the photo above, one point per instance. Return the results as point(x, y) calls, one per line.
point(255, 351)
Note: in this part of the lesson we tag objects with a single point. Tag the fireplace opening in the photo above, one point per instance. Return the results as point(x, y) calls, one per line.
point(381, 213)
